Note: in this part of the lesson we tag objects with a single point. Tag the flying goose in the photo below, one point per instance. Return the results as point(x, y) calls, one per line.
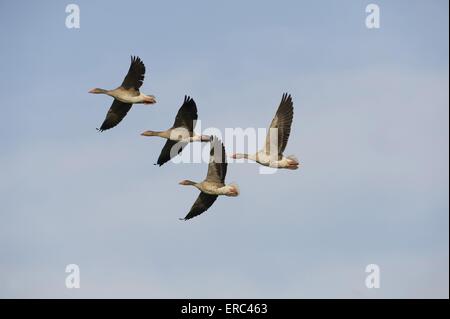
point(181, 133)
point(214, 184)
point(125, 95)
point(276, 140)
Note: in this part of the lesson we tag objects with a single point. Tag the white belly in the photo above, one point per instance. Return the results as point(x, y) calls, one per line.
point(127, 98)
point(179, 134)
point(267, 160)
point(263, 158)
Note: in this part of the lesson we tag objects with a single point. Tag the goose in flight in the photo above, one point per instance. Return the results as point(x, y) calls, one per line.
point(125, 95)
point(214, 184)
point(181, 133)
point(276, 140)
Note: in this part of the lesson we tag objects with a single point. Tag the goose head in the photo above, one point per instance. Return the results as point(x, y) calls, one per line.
point(98, 91)
point(149, 133)
point(239, 156)
point(201, 138)
point(231, 190)
point(187, 182)
point(149, 99)
point(292, 162)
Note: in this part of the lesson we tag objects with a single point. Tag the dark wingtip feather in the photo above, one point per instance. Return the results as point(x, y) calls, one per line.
point(188, 99)
point(287, 97)
point(160, 163)
point(105, 127)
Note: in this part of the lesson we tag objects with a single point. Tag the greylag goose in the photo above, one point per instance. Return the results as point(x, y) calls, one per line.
point(276, 140)
point(181, 133)
point(125, 95)
point(214, 184)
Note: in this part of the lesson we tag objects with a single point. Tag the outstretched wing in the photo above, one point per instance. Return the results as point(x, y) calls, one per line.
point(170, 150)
point(186, 115)
point(217, 168)
point(115, 114)
point(282, 122)
point(135, 75)
point(203, 202)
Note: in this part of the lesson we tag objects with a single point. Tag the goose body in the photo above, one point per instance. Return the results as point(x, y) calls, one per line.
point(177, 134)
point(181, 133)
point(125, 95)
point(130, 96)
point(212, 188)
point(276, 140)
point(214, 184)
point(289, 162)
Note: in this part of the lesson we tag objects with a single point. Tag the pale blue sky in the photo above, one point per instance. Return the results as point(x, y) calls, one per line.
point(371, 129)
